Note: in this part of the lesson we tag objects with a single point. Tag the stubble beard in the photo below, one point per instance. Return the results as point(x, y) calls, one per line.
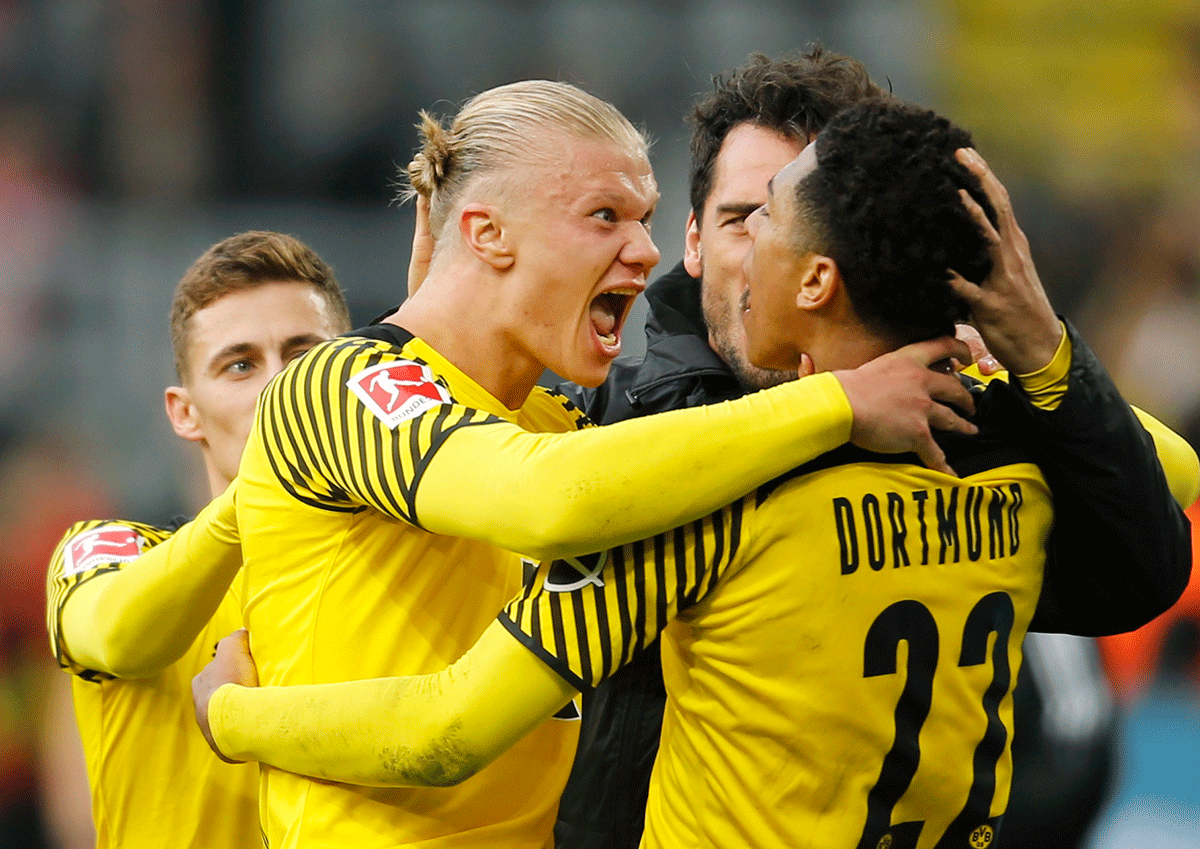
point(727, 337)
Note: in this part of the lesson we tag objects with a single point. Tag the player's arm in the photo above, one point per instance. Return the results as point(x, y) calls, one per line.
point(418, 731)
point(133, 621)
point(550, 641)
point(1120, 550)
point(549, 495)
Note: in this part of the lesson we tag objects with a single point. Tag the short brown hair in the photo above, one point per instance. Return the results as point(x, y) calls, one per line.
point(247, 261)
point(794, 96)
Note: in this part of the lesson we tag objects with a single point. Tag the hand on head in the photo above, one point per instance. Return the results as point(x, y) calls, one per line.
point(231, 664)
point(1010, 307)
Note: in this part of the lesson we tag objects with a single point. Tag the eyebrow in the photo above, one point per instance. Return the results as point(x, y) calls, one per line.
point(242, 349)
point(739, 207)
point(237, 349)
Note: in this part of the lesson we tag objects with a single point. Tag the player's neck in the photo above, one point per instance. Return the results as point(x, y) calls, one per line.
point(845, 347)
point(217, 482)
point(459, 320)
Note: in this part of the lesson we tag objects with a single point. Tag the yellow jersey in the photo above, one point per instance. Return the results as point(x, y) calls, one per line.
point(839, 650)
point(380, 496)
point(154, 781)
point(340, 583)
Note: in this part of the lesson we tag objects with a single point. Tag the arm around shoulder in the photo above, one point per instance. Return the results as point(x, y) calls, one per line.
point(554, 495)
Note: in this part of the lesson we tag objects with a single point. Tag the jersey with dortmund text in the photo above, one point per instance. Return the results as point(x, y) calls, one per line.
point(341, 582)
point(154, 781)
point(839, 650)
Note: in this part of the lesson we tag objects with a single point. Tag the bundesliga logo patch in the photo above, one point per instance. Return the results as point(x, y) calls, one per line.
point(397, 390)
point(100, 546)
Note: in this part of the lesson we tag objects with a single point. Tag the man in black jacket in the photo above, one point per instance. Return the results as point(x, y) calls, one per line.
point(758, 119)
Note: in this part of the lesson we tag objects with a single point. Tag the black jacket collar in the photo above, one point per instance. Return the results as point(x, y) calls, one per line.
point(676, 336)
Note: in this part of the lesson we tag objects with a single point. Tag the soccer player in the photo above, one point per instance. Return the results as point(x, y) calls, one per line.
point(248, 306)
point(391, 472)
point(756, 119)
point(793, 714)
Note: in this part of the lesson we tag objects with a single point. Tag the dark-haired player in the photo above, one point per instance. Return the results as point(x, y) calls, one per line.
point(248, 306)
point(379, 516)
point(794, 713)
point(755, 120)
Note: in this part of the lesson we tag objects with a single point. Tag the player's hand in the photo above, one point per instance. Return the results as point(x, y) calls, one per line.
point(1010, 307)
point(899, 399)
point(983, 358)
point(422, 247)
point(231, 664)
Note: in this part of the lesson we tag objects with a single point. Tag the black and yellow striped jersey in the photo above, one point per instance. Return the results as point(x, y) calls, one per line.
point(839, 650)
point(154, 781)
point(341, 582)
point(380, 497)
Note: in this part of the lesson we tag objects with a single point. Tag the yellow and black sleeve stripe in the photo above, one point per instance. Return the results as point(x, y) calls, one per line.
point(586, 616)
point(329, 451)
point(60, 585)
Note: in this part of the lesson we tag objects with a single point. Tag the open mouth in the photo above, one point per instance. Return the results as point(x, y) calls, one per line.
point(608, 312)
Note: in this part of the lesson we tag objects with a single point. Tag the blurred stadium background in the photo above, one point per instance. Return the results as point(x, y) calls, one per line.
point(135, 133)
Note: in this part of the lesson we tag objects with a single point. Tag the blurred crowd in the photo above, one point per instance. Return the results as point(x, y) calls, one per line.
point(134, 133)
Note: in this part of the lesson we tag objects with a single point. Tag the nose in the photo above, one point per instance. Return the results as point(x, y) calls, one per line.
point(754, 221)
point(640, 250)
point(274, 364)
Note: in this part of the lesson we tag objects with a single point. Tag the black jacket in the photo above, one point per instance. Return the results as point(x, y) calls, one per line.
point(1124, 555)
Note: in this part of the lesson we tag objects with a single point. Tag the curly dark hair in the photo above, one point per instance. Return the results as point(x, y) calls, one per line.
point(794, 95)
point(883, 203)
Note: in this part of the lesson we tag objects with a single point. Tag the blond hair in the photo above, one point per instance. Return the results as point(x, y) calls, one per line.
point(247, 261)
point(497, 129)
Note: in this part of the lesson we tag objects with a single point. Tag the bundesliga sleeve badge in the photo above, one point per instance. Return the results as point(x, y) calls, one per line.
point(398, 390)
point(100, 546)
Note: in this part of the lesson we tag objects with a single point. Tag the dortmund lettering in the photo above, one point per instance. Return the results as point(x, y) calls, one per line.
point(892, 527)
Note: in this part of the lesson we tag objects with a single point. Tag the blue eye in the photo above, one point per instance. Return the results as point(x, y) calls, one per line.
point(606, 214)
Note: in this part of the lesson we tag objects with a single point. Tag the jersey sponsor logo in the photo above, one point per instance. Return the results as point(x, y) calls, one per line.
point(100, 546)
point(398, 390)
point(573, 573)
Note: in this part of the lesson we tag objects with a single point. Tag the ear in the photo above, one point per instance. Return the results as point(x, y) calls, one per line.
point(482, 230)
point(182, 414)
point(693, 261)
point(820, 283)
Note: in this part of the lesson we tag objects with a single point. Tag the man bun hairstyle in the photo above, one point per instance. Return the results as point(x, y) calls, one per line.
point(794, 95)
point(433, 161)
point(884, 204)
point(499, 128)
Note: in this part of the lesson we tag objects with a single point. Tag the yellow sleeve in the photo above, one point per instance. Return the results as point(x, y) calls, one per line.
point(418, 731)
point(460, 471)
point(553, 495)
point(1179, 461)
point(133, 621)
point(586, 616)
point(1047, 386)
